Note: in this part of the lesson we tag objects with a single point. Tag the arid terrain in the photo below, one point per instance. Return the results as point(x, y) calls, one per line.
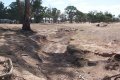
point(62, 51)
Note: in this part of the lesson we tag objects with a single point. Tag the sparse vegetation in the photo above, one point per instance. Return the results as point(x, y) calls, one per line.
point(69, 45)
point(40, 14)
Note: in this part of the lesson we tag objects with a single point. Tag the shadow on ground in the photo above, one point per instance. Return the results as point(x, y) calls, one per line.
point(17, 44)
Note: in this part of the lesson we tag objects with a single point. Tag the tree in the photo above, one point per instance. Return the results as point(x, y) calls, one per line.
point(92, 16)
point(80, 16)
point(119, 16)
point(2, 10)
point(49, 13)
point(63, 17)
point(37, 10)
point(71, 11)
point(13, 11)
point(26, 22)
point(20, 7)
point(100, 17)
point(44, 12)
point(36, 5)
point(55, 14)
point(108, 17)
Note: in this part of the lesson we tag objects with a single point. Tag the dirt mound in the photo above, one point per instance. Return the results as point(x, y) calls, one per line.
point(102, 25)
point(113, 63)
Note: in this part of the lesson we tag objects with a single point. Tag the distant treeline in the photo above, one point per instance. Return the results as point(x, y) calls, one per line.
point(39, 13)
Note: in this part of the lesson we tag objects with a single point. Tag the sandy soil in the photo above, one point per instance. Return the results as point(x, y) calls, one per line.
point(44, 55)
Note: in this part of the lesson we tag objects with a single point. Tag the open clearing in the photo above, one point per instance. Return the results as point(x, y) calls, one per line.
point(45, 55)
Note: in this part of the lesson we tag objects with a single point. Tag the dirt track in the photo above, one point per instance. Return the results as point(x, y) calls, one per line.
point(43, 56)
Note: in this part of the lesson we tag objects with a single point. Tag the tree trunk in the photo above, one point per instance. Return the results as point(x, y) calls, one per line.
point(71, 17)
point(26, 22)
point(71, 20)
point(20, 11)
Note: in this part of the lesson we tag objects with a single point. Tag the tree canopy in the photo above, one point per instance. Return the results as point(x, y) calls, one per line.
point(2, 10)
point(15, 11)
point(71, 10)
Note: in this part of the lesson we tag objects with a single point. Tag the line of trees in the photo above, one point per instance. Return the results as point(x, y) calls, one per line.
point(39, 13)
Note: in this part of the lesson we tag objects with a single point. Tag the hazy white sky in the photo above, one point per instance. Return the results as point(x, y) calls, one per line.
point(112, 6)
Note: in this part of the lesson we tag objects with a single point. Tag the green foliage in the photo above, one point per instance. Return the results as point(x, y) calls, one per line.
point(119, 16)
point(1, 6)
point(100, 17)
point(13, 11)
point(55, 14)
point(51, 13)
point(48, 12)
point(71, 11)
point(37, 10)
point(91, 16)
point(36, 5)
point(63, 17)
point(108, 17)
point(2, 10)
point(80, 17)
point(95, 16)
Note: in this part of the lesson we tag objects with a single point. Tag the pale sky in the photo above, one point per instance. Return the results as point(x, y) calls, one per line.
point(112, 6)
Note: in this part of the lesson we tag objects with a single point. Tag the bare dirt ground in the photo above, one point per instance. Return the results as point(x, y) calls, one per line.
point(62, 51)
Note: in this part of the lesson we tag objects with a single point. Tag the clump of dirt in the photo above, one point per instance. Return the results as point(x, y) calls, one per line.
point(73, 57)
point(113, 63)
point(102, 25)
point(78, 57)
